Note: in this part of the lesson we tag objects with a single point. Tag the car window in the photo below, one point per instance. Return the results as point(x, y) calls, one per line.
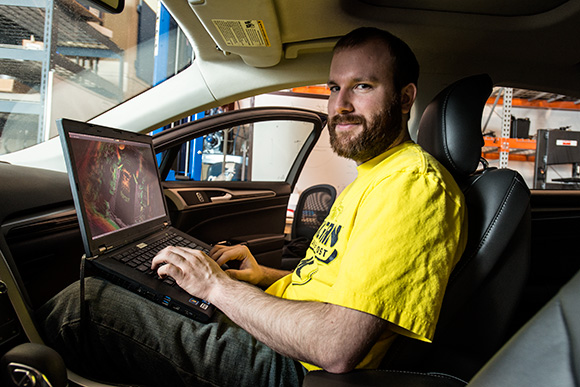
point(260, 151)
point(61, 59)
point(536, 133)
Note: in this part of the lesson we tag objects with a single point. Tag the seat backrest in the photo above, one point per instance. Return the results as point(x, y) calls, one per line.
point(312, 208)
point(486, 284)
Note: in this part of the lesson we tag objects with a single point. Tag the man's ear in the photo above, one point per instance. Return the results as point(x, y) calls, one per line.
point(408, 95)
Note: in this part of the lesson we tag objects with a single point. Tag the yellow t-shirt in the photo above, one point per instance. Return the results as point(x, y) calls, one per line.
point(387, 246)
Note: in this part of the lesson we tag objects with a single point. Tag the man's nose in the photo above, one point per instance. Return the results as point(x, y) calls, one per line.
point(343, 103)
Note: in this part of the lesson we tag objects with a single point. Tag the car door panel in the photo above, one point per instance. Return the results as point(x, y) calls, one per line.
point(240, 215)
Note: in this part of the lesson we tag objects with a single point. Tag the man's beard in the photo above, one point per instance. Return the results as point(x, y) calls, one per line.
point(378, 133)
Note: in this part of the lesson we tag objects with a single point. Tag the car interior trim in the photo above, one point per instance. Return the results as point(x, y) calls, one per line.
point(209, 196)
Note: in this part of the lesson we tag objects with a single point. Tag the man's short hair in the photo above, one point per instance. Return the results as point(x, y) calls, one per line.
point(405, 65)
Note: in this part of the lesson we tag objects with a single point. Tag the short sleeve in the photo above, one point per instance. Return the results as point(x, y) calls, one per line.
point(401, 251)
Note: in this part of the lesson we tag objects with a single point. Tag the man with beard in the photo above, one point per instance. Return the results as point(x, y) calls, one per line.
point(376, 268)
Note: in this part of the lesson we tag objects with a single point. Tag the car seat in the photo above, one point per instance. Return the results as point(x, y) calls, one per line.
point(312, 208)
point(485, 286)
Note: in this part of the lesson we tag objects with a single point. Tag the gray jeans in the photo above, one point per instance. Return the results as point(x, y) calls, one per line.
point(127, 339)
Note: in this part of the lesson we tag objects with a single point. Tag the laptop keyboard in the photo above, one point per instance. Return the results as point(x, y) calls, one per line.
point(140, 257)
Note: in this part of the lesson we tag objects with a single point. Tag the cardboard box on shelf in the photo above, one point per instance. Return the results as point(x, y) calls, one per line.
point(11, 85)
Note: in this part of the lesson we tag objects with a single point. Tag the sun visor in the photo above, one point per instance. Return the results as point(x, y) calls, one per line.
point(246, 28)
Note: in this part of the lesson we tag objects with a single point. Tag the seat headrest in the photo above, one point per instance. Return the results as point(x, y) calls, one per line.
point(450, 128)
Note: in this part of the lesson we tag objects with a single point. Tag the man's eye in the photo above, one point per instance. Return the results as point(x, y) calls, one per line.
point(333, 89)
point(363, 86)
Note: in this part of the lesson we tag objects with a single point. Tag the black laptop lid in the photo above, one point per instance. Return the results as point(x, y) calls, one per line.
point(115, 184)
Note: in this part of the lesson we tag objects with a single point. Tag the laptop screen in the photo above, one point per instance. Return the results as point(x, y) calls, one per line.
point(117, 182)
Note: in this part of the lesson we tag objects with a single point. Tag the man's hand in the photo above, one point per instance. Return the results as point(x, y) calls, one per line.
point(249, 269)
point(193, 270)
point(200, 274)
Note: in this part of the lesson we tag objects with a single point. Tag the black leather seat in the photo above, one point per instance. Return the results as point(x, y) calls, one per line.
point(487, 282)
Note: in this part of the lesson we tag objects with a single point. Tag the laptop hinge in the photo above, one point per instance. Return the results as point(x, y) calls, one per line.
point(103, 249)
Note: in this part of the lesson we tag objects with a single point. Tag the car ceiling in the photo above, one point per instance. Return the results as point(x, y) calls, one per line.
point(521, 43)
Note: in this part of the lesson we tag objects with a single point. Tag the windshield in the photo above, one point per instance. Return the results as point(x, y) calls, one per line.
point(59, 58)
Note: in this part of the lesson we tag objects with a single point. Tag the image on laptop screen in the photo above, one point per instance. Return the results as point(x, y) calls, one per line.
point(118, 183)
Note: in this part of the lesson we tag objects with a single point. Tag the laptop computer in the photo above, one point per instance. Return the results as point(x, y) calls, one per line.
point(122, 212)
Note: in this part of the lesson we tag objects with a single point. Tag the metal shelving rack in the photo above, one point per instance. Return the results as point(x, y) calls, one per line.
point(15, 59)
point(62, 41)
